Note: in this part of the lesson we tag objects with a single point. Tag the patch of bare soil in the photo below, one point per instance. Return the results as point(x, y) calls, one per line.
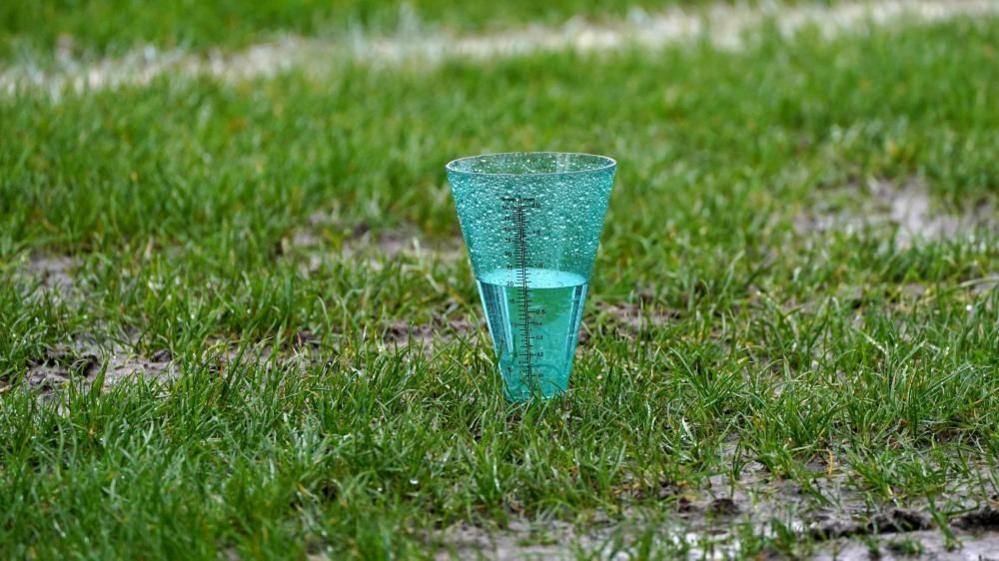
point(892, 521)
point(83, 362)
point(303, 349)
point(983, 285)
point(401, 333)
point(325, 237)
point(54, 273)
point(985, 519)
point(926, 544)
point(828, 510)
point(632, 319)
point(123, 367)
point(521, 539)
point(903, 206)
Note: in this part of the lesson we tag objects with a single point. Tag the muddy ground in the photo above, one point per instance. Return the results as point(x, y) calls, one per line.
point(712, 519)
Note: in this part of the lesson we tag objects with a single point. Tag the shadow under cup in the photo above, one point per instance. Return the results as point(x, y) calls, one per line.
point(532, 224)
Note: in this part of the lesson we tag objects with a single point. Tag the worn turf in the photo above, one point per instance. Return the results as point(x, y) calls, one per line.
point(793, 334)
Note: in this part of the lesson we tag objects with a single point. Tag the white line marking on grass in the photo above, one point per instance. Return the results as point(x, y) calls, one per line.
point(724, 26)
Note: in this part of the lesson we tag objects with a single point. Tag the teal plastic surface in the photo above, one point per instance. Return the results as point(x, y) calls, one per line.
point(532, 224)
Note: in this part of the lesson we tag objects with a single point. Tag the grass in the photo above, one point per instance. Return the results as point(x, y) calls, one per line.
point(180, 200)
point(96, 27)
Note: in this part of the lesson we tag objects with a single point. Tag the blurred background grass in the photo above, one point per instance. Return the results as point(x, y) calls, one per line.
point(95, 27)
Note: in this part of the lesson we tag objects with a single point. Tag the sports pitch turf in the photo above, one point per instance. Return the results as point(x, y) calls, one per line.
point(792, 335)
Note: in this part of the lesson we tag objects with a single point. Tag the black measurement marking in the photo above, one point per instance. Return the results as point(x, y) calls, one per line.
point(517, 232)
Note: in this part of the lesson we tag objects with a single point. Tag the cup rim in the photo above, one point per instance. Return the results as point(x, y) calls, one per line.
point(601, 163)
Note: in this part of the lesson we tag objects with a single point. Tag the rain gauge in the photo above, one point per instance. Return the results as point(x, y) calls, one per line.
point(532, 224)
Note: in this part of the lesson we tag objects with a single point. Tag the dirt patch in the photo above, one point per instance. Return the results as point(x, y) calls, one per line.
point(721, 507)
point(896, 520)
point(635, 317)
point(926, 544)
point(325, 237)
point(823, 505)
point(83, 361)
point(521, 539)
point(983, 285)
point(123, 367)
point(61, 365)
point(904, 207)
point(302, 349)
point(842, 525)
point(983, 520)
point(635, 320)
point(306, 339)
point(47, 378)
point(54, 274)
point(625, 319)
point(401, 333)
point(910, 208)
